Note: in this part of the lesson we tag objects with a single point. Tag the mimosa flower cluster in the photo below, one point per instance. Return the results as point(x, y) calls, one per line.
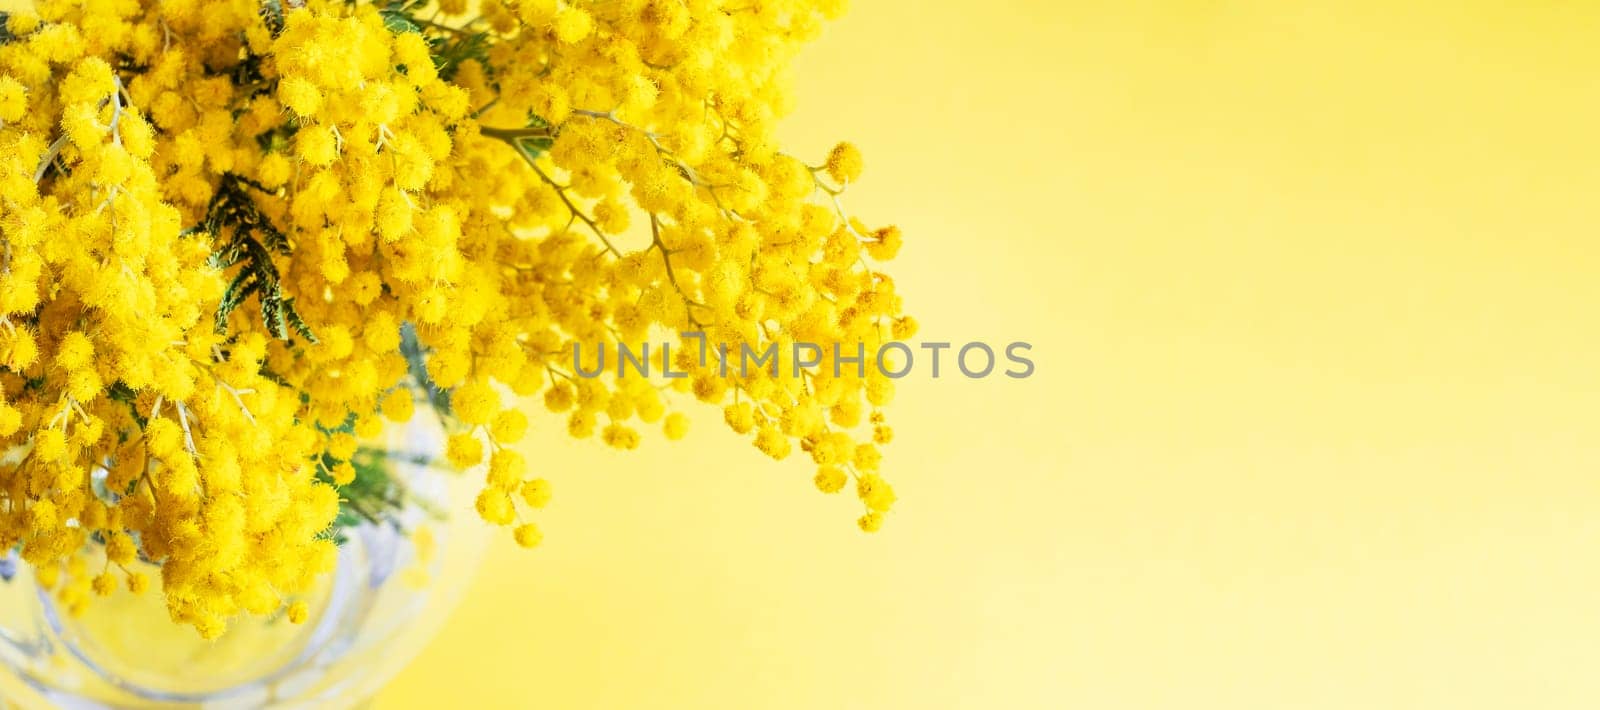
point(241, 237)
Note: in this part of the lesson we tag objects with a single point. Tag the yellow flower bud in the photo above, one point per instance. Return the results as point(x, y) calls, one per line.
point(528, 535)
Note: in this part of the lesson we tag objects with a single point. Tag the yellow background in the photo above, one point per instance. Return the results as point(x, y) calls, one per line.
point(1315, 296)
point(1313, 288)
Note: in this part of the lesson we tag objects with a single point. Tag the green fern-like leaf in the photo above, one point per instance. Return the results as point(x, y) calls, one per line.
point(398, 23)
point(247, 241)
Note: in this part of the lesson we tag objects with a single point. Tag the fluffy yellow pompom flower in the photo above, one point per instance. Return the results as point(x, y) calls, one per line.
point(13, 99)
point(740, 417)
point(22, 22)
point(875, 492)
point(474, 402)
point(536, 493)
point(344, 473)
point(905, 327)
point(509, 426)
point(620, 437)
point(464, 450)
point(120, 549)
point(505, 469)
point(10, 419)
point(773, 443)
point(300, 95)
point(399, 405)
point(573, 24)
point(275, 170)
point(18, 349)
point(830, 479)
point(676, 426)
point(844, 163)
point(342, 445)
point(885, 244)
point(316, 145)
point(42, 516)
point(394, 216)
point(495, 506)
point(528, 535)
point(50, 445)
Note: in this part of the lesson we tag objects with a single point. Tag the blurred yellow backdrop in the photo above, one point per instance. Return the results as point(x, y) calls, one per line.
point(1313, 288)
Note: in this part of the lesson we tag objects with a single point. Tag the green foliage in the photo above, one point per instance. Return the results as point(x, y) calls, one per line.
point(414, 353)
point(450, 48)
point(532, 140)
point(451, 51)
point(536, 145)
point(247, 239)
point(121, 392)
point(372, 497)
point(397, 21)
point(272, 15)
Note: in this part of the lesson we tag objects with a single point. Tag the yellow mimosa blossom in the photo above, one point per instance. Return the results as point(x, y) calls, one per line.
point(238, 239)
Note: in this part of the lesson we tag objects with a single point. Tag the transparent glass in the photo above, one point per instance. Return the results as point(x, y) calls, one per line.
point(386, 598)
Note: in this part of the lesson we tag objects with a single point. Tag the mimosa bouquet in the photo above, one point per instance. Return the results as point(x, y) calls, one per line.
point(242, 237)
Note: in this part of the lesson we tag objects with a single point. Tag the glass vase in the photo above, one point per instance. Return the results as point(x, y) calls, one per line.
point(390, 591)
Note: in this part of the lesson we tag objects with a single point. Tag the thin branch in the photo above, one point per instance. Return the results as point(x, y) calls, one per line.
point(562, 193)
point(666, 258)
